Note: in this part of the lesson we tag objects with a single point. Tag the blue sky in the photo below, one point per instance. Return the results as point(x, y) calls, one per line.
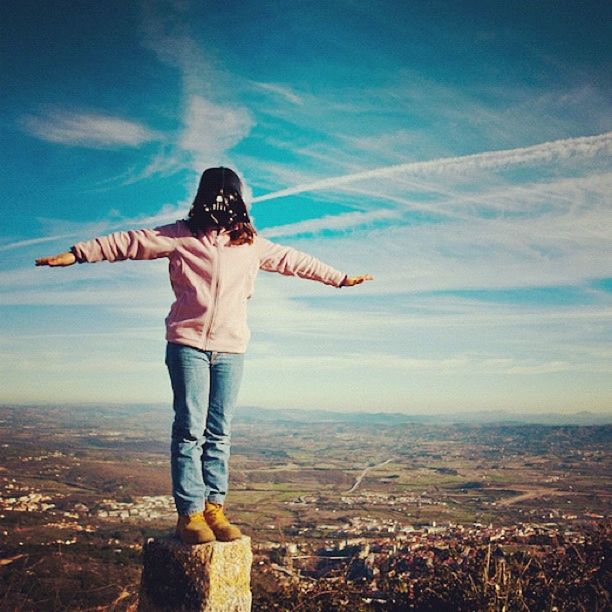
point(458, 151)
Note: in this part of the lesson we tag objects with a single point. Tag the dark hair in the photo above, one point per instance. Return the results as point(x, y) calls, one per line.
point(218, 204)
point(242, 233)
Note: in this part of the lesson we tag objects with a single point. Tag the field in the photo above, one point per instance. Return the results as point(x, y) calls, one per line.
point(82, 487)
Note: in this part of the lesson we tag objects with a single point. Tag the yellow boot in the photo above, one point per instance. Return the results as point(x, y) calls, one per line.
point(224, 531)
point(193, 529)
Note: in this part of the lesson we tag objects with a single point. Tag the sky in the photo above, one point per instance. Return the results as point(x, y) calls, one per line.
point(458, 151)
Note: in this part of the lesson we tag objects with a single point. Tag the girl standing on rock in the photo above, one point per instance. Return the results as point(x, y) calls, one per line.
point(214, 256)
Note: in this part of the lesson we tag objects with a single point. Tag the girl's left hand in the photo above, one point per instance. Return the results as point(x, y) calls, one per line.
point(350, 281)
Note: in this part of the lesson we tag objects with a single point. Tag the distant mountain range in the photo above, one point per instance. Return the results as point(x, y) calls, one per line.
point(314, 415)
point(250, 413)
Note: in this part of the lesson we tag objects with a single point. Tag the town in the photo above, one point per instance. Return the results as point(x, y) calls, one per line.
point(460, 513)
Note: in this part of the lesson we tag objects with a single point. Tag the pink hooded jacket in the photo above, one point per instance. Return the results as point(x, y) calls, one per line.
point(211, 279)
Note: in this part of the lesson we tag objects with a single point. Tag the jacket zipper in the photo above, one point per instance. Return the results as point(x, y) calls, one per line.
point(213, 310)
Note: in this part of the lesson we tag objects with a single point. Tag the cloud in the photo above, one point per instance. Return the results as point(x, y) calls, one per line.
point(442, 119)
point(212, 129)
point(546, 152)
point(165, 29)
point(282, 91)
point(538, 232)
point(212, 125)
point(562, 248)
point(18, 244)
point(460, 363)
point(167, 162)
point(81, 231)
point(452, 203)
point(332, 222)
point(88, 129)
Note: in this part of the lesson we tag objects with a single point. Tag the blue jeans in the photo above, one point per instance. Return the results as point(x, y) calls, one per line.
point(205, 386)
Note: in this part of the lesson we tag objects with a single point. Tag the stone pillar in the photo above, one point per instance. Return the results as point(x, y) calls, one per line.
point(212, 577)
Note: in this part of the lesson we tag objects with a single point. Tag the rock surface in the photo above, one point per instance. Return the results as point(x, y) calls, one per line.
point(213, 577)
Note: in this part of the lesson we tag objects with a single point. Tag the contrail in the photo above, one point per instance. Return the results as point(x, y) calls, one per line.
point(554, 150)
point(31, 241)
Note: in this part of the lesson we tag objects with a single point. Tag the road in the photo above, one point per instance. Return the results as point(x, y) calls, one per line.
point(365, 471)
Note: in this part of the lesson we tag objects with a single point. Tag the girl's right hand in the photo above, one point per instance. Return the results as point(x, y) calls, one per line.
point(351, 281)
point(63, 259)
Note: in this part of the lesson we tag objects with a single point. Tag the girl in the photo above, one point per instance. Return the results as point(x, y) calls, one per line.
point(214, 256)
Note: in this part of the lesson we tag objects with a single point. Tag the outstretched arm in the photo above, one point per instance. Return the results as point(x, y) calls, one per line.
point(290, 262)
point(134, 244)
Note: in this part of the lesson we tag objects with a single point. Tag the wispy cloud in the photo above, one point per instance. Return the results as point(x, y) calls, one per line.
point(442, 118)
point(87, 129)
point(546, 152)
point(165, 28)
point(212, 125)
point(212, 129)
point(168, 161)
point(19, 244)
point(332, 222)
point(82, 231)
point(571, 206)
point(284, 92)
point(460, 363)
